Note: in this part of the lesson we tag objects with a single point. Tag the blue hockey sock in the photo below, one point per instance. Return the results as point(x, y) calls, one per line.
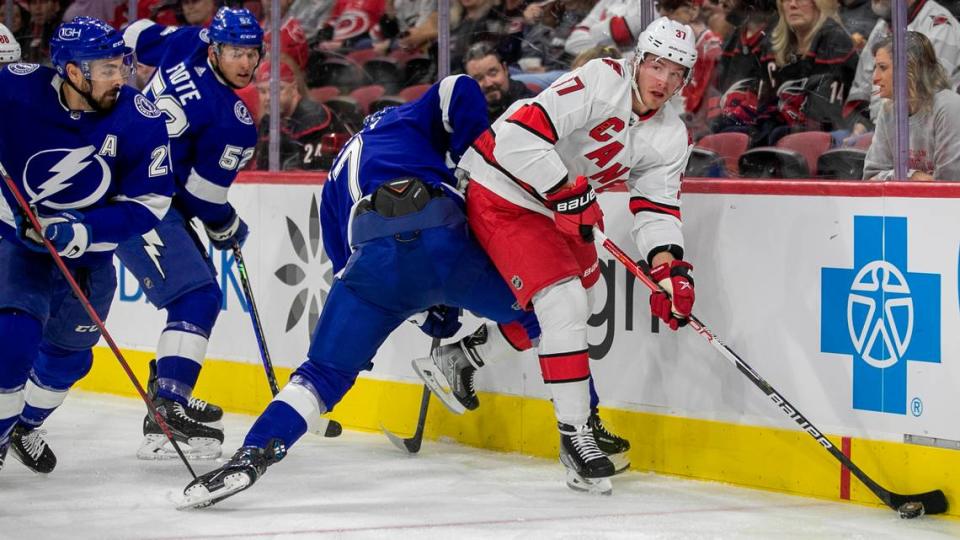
point(54, 372)
point(594, 397)
point(279, 420)
point(20, 333)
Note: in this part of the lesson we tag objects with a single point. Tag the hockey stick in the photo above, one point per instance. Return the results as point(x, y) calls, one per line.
point(332, 428)
point(909, 505)
point(85, 302)
point(412, 445)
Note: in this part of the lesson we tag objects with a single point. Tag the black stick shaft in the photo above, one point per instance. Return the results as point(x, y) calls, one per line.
point(255, 319)
point(934, 501)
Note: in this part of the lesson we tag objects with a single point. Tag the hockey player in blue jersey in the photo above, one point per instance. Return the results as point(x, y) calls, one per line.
point(212, 137)
point(91, 156)
point(394, 228)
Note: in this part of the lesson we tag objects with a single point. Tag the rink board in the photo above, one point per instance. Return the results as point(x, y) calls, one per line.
point(805, 280)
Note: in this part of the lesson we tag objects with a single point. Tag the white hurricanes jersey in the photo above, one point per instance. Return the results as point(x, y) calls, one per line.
point(584, 125)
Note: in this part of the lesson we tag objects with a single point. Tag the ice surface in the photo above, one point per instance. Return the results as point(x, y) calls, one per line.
point(360, 486)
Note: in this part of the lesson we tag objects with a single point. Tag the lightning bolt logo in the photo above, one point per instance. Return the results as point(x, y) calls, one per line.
point(151, 245)
point(69, 166)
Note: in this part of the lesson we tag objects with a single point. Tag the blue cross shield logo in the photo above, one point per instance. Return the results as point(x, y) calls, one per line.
point(880, 313)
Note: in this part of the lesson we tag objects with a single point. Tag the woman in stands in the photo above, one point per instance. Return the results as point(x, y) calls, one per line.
point(934, 110)
point(811, 64)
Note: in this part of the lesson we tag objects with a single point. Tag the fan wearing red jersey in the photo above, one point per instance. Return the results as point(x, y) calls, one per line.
point(532, 204)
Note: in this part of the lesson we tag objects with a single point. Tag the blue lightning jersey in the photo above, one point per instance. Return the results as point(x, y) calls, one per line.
point(113, 167)
point(424, 139)
point(211, 131)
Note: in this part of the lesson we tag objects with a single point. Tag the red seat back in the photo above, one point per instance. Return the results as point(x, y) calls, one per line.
point(809, 144)
point(365, 95)
point(728, 145)
point(411, 93)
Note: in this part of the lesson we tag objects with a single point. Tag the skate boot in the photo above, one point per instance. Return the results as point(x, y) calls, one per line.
point(30, 449)
point(614, 446)
point(588, 469)
point(244, 468)
point(197, 440)
point(449, 371)
point(198, 409)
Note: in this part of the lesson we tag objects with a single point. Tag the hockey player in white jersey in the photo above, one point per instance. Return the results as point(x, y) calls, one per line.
point(531, 204)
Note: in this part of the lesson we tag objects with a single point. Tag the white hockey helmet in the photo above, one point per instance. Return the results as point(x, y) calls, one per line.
point(670, 40)
point(9, 48)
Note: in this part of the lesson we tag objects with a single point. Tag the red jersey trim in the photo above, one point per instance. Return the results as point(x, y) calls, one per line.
point(534, 118)
point(641, 204)
point(484, 145)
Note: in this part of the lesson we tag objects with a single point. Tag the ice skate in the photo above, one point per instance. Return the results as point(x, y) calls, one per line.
point(614, 446)
point(588, 469)
point(449, 372)
point(197, 409)
point(244, 468)
point(32, 450)
point(197, 440)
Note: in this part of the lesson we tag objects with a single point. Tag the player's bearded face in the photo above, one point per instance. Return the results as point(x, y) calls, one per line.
point(237, 64)
point(107, 77)
point(659, 79)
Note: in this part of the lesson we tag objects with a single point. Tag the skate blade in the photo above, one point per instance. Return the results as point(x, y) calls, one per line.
point(592, 486)
point(198, 496)
point(157, 447)
point(438, 384)
point(16, 456)
point(621, 462)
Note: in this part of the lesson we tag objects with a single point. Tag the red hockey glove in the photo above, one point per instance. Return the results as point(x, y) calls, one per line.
point(674, 277)
point(576, 210)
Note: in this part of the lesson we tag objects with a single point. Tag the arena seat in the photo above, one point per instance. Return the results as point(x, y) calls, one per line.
point(771, 162)
point(705, 164)
point(365, 95)
point(386, 101)
point(841, 164)
point(809, 144)
point(411, 93)
point(385, 72)
point(729, 146)
point(324, 93)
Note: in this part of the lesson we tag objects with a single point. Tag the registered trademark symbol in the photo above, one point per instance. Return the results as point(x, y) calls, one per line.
point(916, 407)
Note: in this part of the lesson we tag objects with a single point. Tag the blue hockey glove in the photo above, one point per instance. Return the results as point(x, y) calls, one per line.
point(65, 230)
point(441, 322)
point(235, 230)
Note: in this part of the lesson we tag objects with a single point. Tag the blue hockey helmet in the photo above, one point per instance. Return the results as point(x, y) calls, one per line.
point(85, 39)
point(237, 27)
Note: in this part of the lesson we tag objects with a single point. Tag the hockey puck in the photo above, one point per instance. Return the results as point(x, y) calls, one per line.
point(910, 510)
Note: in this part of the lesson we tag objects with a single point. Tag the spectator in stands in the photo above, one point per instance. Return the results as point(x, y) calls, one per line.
point(475, 22)
point(682, 11)
point(483, 63)
point(811, 64)
point(934, 110)
point(303, 122)
point(101, 9)
point(925, 16)
point(19, 26)
point(293, 40)
point(547, 27)
point(198, 12)
point(350, 24)
point(700, 108)
point(408, 25)
point(45, 16)
point(740, 74)
point(600, 51)
point(859, 19)
point(609, 22)
point(311, 14)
